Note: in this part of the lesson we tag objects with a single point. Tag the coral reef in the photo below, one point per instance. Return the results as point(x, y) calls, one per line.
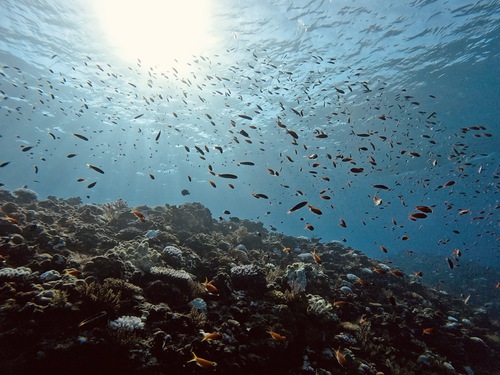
point(93, 289)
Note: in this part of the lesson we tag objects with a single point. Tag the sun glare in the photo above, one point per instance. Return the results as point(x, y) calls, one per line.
point(156, 31)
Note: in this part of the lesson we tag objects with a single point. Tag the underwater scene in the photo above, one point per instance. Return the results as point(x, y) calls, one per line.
point(249, 187)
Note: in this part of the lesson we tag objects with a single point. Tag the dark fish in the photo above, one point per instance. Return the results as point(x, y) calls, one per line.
point(36, 169)
point(151, 176)
point(199, 150)
point(297, 207)
point(227, 175)
point(4, 164)
point(258, 195)
point(52, 135)
point(244, 133)
point(26, 148)
point(185, 192)
point(138, 116)
point(82, 137)
point(342, 223)
point(381, 187)
point(450, 263)
point(315, 210)
point(245, 117)
point(99, 170)
point(292, 133)
point(90, 186)
point(212, 183)
point(357, 170)
point(158, 136)
point(417, 215)
point(80, 180)
point(246, 163)
point(69, 156)
point(425, 209)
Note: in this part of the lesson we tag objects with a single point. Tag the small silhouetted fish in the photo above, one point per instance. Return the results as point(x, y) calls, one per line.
point(69, 156)
point(381, 187)
point(26, 148)
point(185, 192)
point(245, 117)
point(315, 210)
point(227, 175)
point(292, 133)
point(4, 164)
point(90, 186)
point(297, 206)
point(99, 170)
point(226, 212)
point(82, 137)
point(450, 263)
point(158, 136)
point(258, 195)
point(151, 176)
point(138, 116)
point(357, 170)
point(246, 163)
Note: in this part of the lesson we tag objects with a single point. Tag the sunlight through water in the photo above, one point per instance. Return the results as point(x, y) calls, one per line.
point(154, 31)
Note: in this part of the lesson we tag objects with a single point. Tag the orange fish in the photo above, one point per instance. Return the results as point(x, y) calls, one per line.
point(212, 336)
point(427, 331)
point(139, 215)
point(340, 358)
point(287, 250)
point(396, 273)
point(210, 287)
point(340, 303)
point(380, 271)
point(314, 210)
point(362, 282)
point(12, 220)
point(72, 272)
point(276, 336)
point(316, 257)
point(203, 363)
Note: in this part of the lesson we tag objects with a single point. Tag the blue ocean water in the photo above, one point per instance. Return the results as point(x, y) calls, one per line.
point(302, 101)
